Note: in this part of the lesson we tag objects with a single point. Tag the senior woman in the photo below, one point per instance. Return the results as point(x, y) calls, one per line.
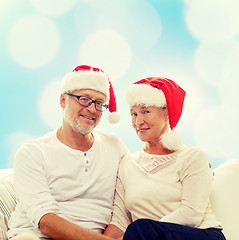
point(162, 191)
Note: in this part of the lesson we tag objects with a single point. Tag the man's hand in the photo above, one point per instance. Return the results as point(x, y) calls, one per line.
point(58, 228)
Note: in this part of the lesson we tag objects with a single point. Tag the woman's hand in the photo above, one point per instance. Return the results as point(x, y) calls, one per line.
point(114, 232)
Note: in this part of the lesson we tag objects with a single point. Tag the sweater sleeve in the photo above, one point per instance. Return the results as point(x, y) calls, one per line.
point(121, 216)
point(30, 184)
point(196, 179)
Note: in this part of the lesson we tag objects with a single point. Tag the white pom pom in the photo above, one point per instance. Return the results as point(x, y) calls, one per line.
point(171, 140)
point(25, 237)
point(114, 117)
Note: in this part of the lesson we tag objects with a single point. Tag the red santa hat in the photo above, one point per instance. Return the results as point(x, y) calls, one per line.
point(157, 91)
point(87, 77)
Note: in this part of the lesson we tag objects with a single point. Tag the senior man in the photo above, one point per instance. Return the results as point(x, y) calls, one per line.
point(65, 180)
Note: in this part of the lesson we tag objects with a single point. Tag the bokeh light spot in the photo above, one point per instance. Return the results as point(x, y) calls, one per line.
point(213, 20)
point(216, 132)
point(34, 41)
point(49, 105)
point(14, 141)
point(107, 50)
point(210, 60)
point(53, 7)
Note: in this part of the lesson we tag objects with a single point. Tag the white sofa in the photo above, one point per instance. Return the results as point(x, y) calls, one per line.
point(224, 198)
point(7, 199)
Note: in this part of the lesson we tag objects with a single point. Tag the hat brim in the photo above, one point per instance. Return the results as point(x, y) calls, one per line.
point(143, 94)
point(97, 81)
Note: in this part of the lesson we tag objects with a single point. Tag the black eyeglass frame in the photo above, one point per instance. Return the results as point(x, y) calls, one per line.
point(97, 103)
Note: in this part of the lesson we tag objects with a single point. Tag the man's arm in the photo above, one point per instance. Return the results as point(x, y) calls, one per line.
point(60, 229)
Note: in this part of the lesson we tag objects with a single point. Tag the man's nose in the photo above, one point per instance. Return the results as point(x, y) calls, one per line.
point(91, 107)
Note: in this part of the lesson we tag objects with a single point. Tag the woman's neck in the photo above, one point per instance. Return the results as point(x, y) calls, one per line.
point(156, 148)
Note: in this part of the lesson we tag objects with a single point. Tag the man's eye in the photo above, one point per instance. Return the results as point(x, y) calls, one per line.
point(83, 99)
point(100, 104)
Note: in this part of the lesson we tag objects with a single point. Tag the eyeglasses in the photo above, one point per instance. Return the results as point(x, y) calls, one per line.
point(86, 101)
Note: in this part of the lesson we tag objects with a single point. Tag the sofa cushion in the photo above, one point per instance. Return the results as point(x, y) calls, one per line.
point(225, 197)
point(7, 200)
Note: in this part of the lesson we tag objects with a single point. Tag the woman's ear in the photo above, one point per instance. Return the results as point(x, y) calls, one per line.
point(166, 115)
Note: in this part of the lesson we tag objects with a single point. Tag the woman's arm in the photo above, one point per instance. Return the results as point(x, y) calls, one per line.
point(196, 179)
point(121, 216)
point(113, 231)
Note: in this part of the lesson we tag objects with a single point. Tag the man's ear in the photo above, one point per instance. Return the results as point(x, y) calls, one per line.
point(63, 100)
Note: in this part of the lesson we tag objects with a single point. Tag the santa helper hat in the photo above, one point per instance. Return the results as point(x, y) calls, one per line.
point(159, 92)
point(87, 77)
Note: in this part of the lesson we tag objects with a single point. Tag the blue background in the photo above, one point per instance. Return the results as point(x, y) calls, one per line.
point(193, 42)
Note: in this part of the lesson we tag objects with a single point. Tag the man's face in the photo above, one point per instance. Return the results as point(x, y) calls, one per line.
point(80, 118)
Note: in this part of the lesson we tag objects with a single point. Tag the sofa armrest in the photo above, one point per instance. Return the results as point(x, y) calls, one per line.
point(7, 200)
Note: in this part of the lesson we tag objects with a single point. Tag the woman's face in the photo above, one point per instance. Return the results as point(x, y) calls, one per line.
point(149, 122)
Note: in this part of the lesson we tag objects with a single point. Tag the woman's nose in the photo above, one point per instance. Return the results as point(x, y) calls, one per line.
point(138, 121)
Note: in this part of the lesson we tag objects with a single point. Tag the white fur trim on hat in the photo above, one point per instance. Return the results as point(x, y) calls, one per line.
point(143, 94)
point(171, 140)
point(86, 80)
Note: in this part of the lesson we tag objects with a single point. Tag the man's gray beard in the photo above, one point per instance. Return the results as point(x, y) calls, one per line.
point(75, 123)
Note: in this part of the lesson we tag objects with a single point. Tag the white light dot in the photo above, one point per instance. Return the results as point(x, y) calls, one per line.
point(14, 141)
point(230, 85)
point(53, 7)
point(216, 132)
point(100, 14)
point(4, 5)
point(213, 20)
point(210, 59)
point(96, 1)
point(193, 101)
point(107, 50)
point(188, 1)
point(143, 24)
point(49, 105)
point(34, 41)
